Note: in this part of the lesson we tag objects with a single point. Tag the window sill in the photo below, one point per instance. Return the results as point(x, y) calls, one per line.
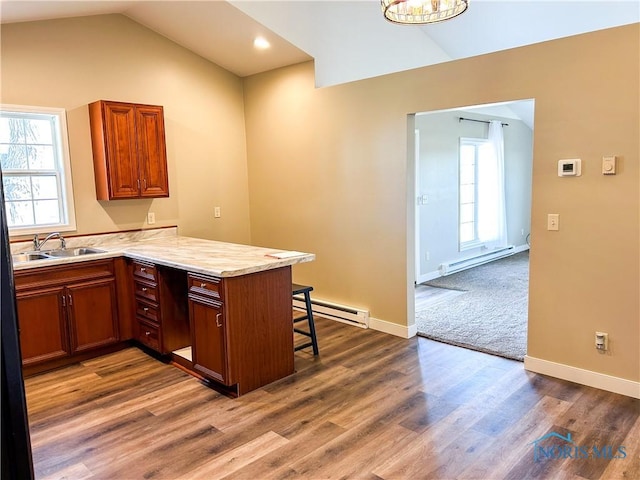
point(16, 232)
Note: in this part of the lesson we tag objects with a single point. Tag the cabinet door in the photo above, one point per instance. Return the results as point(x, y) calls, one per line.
point(92, 312)
point(152, 154)
point(42, 323)
point(120, 143)
point(209, 353)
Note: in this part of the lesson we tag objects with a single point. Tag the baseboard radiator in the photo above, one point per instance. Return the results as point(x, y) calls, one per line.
point(458, 265)
point(334, 311)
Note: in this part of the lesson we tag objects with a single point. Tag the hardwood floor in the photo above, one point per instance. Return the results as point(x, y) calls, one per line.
point(372, 406)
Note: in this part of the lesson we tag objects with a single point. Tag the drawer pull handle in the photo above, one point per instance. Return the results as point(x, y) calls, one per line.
point(144, 289)
point(147, 333)
point(203, 285)
point(145, 309)
point(218, 317)
point(143, 269)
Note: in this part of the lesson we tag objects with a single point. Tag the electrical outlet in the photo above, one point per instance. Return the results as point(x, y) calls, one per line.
point(602, 341)
point(151, 218)
point(216, 212)
point(427, 257)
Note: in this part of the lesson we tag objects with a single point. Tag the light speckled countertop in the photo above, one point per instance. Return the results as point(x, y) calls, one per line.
point(196, 255)
point(210, 257)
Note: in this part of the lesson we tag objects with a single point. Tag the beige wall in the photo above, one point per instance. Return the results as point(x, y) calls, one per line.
point(72, 62)
point(328, 174)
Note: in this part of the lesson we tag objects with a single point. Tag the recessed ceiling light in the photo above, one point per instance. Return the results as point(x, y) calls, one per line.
point(261, 43)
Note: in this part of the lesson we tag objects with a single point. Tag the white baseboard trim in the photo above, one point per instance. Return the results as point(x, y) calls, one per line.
point(402, 331)
point(583, 377)
point(520, 248)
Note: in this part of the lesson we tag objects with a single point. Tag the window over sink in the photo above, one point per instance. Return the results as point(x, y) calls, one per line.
point(36, 169)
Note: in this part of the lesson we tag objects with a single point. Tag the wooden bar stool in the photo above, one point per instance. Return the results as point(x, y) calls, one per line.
point(306, 291)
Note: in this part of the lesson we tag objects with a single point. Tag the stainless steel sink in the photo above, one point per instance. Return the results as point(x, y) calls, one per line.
point(51, 254)
point(73, 252)
point(28, 257)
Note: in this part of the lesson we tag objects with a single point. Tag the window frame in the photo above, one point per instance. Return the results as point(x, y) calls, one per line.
point(66, 205)
point(475, 242)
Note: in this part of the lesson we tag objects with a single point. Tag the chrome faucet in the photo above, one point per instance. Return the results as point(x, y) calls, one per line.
point(37, 245)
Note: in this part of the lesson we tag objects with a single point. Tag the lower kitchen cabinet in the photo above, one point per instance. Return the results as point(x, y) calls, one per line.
point(241, 329)
point(43, 325)
point(64, 312)
point(160, 307)
point(208, 331)
point(92, 314)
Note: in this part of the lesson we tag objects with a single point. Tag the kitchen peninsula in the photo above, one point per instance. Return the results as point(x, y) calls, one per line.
point(222, 311)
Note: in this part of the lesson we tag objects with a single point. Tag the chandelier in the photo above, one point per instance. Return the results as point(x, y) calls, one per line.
point(417, 12)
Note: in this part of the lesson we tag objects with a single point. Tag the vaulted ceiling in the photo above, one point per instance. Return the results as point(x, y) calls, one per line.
point(349, 40)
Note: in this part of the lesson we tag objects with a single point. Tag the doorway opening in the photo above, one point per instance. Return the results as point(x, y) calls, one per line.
point(473, 180)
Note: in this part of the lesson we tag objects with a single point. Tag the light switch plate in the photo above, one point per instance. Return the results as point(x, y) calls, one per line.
point(609, 165)
point(553, 221)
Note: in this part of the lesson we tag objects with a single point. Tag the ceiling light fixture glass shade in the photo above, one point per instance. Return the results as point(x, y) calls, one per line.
point(418, 12)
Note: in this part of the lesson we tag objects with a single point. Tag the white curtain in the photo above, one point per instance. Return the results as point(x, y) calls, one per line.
point(492, 216)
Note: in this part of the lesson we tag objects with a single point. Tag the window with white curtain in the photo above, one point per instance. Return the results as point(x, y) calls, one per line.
point(481, 194)
point(36, 172)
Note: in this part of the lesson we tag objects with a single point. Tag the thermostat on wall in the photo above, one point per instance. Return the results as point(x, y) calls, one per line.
point(569, 168)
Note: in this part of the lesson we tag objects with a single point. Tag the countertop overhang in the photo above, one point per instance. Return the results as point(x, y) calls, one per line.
point(207, 257)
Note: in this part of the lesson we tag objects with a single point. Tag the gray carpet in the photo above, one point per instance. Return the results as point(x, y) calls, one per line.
point(491, 314)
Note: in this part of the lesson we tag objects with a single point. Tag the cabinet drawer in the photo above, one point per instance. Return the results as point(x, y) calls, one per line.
point(148, 291)
point(145, 270)
point(44, 277)
point(149, 335)
point(205, 286)
point(147, 310)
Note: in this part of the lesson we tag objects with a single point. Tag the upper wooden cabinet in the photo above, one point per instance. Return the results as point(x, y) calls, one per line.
point(129, 152)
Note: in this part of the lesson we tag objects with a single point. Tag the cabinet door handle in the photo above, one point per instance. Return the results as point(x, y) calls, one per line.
point(144, 289)
point(64, 300)
point(218, 317)
point(70, 300)
point(147, 333)
point(145, 309)
point(143, 269)
point(144, 182)
point(203, 285)
point(138, 181)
